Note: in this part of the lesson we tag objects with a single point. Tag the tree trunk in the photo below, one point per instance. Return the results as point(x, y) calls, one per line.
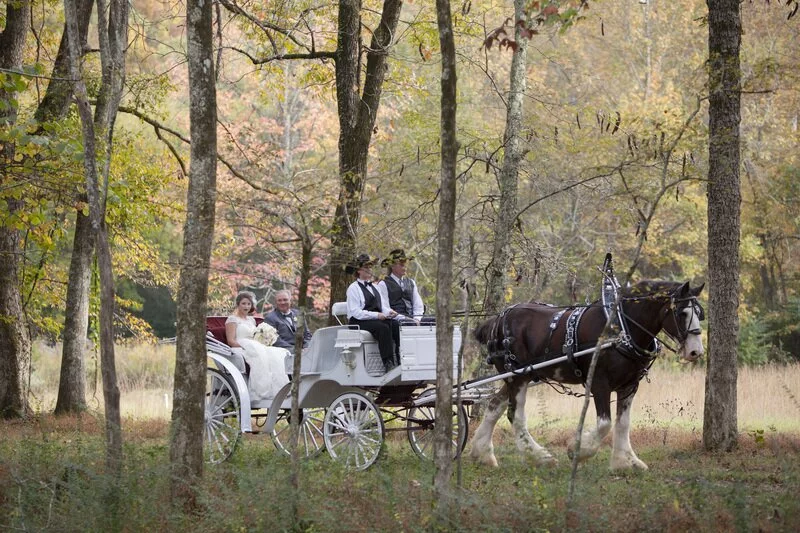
point(58, 97)
point(507, 210)
point(54, 106)
point(15, 343)
point(186, 446)
point(72, 381)
point(302, 324)
point(724, 198)
point(113, 44)
point(357, 113)
point(443, 447)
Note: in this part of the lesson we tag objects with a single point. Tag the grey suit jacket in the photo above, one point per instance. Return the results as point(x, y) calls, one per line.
point(285, 332)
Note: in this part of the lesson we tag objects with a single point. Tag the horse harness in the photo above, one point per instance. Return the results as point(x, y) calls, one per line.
point(507, 356)
point(619, 321)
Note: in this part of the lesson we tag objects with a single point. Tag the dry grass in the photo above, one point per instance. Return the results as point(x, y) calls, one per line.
point(144, 373)
point(672, 398)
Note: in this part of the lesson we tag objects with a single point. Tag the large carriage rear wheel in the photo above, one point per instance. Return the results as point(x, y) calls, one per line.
point(353, 431)
point(311, 441)
point(419, 427)
point(222, 427)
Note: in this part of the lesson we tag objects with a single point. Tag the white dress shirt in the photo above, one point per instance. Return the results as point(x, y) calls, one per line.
point(356, 302)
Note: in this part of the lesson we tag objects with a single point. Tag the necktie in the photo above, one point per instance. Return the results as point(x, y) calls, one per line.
point(289, 319)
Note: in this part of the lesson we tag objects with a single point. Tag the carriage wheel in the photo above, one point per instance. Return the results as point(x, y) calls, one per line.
point(222, 426)
point(311, 441)
point(420, 423)
point(353, 431)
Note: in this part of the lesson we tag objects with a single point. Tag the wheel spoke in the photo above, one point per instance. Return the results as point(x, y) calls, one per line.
point(352, 431)
point(221, 433)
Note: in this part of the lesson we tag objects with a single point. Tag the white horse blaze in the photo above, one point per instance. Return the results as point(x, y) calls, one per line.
point(692, 347)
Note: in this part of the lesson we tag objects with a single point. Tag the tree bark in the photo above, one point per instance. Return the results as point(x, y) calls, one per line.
point(443, 447)
point(15, 344)
point(54, 106)
point(186, 446)
point(72, 380)
point(357, 113)
point(113, 44)
point(724, 198)
point(513, 143)
point(58, 97)
point(302, 324)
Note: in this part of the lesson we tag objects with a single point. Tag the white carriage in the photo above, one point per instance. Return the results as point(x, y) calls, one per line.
point(348, 402)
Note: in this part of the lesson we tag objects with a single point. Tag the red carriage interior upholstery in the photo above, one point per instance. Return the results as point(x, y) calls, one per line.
point(216, 325)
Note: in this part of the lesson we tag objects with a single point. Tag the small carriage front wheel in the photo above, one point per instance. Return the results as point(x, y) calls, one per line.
point(353, 431)
point(311, 441)
point(222, 427)
point(419, 426)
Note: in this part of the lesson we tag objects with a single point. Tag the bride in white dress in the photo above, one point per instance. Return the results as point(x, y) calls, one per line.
point(267, 370)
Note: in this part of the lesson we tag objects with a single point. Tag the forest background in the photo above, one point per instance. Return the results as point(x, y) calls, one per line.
point(615, 159)
point(615, 127)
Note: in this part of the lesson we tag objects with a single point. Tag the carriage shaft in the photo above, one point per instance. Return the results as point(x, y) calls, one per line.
point(530, 368)
point(470, 386)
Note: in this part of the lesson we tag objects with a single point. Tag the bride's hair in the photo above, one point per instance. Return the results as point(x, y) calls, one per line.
point(250, 296)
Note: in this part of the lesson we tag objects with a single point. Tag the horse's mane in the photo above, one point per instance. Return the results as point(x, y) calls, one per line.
point(648, 287)
point(483, 332)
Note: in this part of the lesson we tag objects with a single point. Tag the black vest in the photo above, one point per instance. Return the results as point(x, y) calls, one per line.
point(400, 300)
point(372, 302)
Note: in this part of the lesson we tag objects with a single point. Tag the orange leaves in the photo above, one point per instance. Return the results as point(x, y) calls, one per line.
point(562, 14)
point(425, 52)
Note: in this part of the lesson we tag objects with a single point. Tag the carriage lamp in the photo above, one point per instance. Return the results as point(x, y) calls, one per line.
point(349, 358)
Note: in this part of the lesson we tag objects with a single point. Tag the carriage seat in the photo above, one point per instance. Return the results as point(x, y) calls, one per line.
point(216, 326)
point(339, 311)
point(217, 341)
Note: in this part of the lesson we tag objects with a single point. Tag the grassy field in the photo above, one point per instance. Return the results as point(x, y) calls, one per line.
point(52, 479)
point(672, 397)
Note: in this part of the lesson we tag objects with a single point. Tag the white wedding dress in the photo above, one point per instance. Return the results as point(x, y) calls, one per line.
point(267, 369)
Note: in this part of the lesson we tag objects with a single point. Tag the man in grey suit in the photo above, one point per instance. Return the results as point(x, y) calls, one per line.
point(284, 319)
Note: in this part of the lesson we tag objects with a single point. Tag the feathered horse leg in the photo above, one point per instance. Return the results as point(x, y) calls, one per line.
point(482, 447)
point(519, 422)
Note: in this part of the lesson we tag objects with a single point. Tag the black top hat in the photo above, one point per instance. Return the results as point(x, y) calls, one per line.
point(395, 256)
point(361, 261)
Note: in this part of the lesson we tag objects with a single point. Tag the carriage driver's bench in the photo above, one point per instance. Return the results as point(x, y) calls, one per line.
point(417, 348)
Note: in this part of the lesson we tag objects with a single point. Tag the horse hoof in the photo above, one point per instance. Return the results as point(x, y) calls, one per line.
point(628, 463)
point(547, 460)
point(487, 460)
point(490, 461)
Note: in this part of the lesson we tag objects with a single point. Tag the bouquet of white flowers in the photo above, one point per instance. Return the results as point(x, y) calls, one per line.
point(265, 334)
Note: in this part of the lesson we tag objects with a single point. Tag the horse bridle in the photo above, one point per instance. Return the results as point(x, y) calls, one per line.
point(697, 309)
point(675, 311)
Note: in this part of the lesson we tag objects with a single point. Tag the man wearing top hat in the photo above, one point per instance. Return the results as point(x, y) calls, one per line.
point(366, 310)
point(398, 291)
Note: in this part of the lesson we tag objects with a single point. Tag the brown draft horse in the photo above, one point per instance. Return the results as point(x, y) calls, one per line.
point(532, 333)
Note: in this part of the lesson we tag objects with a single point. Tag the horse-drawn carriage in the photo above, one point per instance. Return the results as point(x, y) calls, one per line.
point(348, 401)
